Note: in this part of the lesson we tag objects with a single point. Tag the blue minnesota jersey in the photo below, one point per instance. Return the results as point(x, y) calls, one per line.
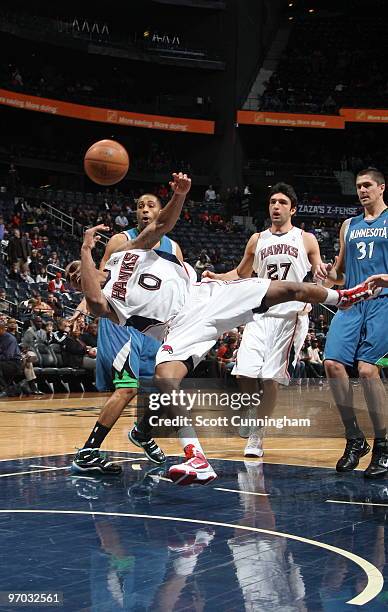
point(166, 244)
point(366, 249)
point(116, 343)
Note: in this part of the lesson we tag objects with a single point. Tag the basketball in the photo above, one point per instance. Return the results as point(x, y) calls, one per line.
point(106, 162)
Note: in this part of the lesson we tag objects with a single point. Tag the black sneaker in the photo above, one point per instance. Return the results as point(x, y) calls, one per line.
point(148, 444)
point(354, 450)
point(378, 466)
point(91, 460)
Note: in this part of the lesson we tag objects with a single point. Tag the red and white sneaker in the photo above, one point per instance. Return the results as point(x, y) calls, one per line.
point(359, 293)
point(195, 470)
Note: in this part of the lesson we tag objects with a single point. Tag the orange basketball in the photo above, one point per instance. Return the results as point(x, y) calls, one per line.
point(106, 162)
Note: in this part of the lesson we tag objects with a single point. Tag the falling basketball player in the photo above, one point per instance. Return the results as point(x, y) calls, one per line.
point(159, 296)
point(282, 252)
point(124, 358)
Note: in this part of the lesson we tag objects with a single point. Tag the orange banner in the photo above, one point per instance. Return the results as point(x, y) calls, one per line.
point(290, 120)
point(364, 115)
point(105, 115)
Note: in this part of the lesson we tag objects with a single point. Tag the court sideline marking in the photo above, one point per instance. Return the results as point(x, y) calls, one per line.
point(375, 581)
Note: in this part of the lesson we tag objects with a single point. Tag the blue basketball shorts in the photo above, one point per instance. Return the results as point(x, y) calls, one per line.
point(124, 356)
point(359, 333)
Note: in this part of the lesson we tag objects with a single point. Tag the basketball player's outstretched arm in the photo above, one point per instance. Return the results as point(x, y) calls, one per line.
point(166, 219)
point(336, 272)
point(91, 277)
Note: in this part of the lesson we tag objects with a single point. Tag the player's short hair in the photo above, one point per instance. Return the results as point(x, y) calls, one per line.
point(375, 173)
point(288, 190)
point(149, 195)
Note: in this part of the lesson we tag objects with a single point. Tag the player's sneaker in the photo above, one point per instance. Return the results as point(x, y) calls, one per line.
point(254, 446)
point(148, 444)
point(195, 470)
point(355, 449)
point(359, 293)
point(92, 460)
point(378, 466)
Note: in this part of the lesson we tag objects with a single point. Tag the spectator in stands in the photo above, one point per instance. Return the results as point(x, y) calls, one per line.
point(2, 228)
point(36, 262)
point(35, 333)
point(25, 275)
point(10, 359)
point(49, 329)
point(12, 328)
point(4, 306)
point(121, 221)
point(315, 355)
point(29, 359)
point(42, 275)
point(14, 273)
point(56, 284)
point(227, 352)
point(203, 263)
point(62, 332)
point(42, 308)
point(19, 249)
point(75, 352)
point(54, 304)
point(321, 327)
point(210, 194)
point(54, 259)
point(89, 337)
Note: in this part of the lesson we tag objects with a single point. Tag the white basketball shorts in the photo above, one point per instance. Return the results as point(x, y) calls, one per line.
point(213, 307)
point(266, 345)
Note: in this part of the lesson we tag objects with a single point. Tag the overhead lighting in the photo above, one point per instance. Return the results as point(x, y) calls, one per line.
point(290, 18)
point(290, 4)
point(311, 10)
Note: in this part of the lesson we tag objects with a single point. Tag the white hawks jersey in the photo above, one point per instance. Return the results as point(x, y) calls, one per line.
point(147, 288)
point(282, 257)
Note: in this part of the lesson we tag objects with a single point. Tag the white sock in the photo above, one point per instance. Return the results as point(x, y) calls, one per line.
point(187, 435)
point(332, 297)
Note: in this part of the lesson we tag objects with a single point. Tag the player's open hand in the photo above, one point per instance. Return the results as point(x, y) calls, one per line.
point(377, 280)
point(320, 272)
point(91, 236)
point(181, 183)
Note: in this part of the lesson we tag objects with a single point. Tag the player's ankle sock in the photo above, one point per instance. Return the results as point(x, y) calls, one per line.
point(332, 297)
point(98, 435)
point(143, 426)
point(186, 436)
point(352, 429)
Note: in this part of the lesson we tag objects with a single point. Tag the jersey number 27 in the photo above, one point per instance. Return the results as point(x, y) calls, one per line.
point(273, 271)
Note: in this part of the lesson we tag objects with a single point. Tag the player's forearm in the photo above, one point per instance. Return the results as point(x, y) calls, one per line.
point(91, 288)
point(231, 275)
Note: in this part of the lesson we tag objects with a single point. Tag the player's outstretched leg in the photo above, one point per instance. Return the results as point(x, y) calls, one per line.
point(283, 291)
